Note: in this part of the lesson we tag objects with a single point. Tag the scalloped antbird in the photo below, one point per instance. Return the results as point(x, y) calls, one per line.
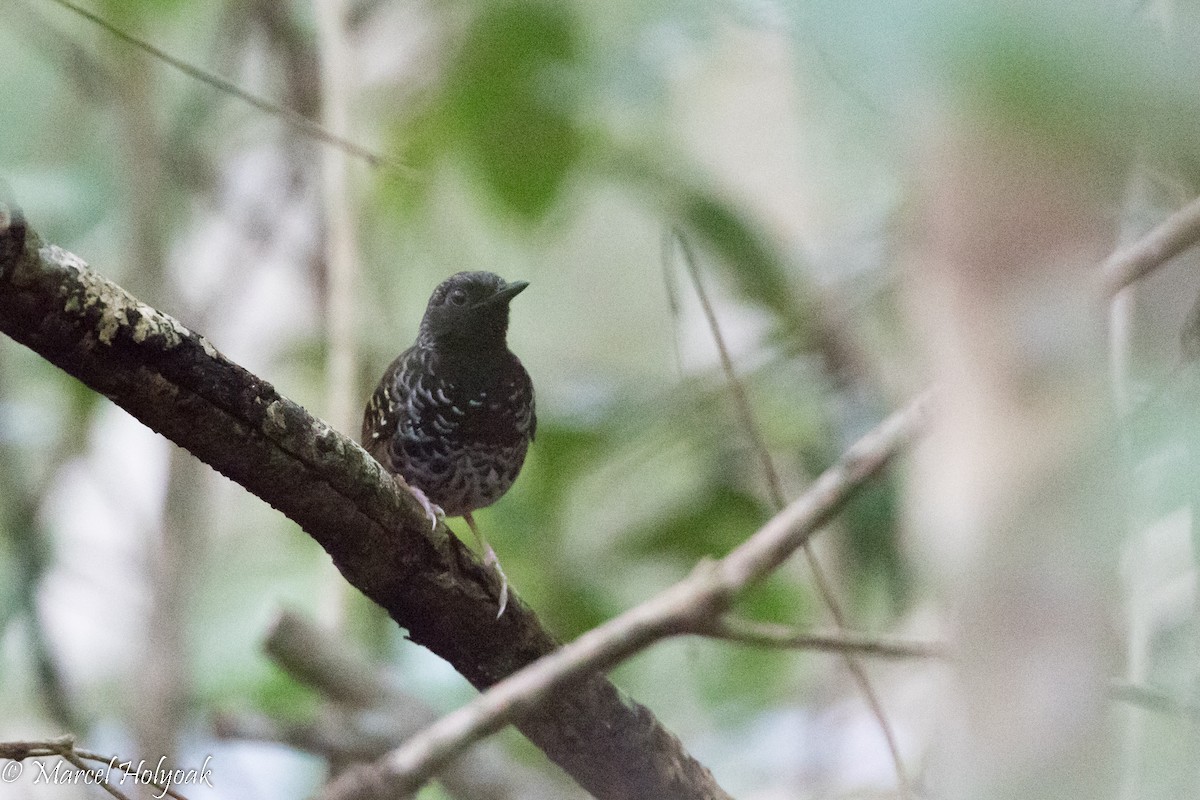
point(453, 415)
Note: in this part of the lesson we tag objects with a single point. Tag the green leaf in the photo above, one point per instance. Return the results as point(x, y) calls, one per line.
point(870, 519)
point(511, 100)
point(1073, 76)
point(870, 523)
point(759, 271)
point(138, 12)
point(709, 526)
point(280, 697)
point(561, 454)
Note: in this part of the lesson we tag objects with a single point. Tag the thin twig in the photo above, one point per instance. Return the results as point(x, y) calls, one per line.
point(64, 747)
point(127, 768)
point(736, 388)
point(290, 117)
point(77, 762)
point(1171, 237)
point(769, 634)
point(39, 748)
point(672, 293)
point(684, 608)
point(752, 430)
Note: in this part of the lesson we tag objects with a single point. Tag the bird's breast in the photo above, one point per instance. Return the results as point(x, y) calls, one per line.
point(459, 435)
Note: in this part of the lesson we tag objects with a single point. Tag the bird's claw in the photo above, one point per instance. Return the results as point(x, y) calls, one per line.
point(432, 510)
point(503, 593)
point(490, 560)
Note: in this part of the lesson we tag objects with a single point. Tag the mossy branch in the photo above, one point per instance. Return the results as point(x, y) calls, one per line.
point(175, 382)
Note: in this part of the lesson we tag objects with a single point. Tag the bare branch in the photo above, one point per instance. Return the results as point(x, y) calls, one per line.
point(686, 607)
point(788, 530)
point(77, 762)
point(767, 634)
point(176, 382)
point(371, 714)
point(64, 747)
point(39, 748)
point(746, 414)
point(295, 120)
point(318, 658)
point(1171, 237)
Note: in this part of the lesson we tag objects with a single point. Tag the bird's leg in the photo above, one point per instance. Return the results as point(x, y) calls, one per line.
point(490, 560)
point(432, 510)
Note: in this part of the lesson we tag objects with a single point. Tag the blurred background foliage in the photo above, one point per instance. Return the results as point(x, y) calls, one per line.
point(560, 143)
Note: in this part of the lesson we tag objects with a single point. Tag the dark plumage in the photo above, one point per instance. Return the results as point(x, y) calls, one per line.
point(454, 414)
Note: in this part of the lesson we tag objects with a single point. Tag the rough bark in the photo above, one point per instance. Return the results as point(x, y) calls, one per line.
point(175, 382)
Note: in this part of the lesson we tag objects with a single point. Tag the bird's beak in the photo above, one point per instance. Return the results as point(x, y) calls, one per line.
point(506, 294)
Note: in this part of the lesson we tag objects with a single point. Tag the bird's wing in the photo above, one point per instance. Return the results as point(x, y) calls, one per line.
point(382, 414)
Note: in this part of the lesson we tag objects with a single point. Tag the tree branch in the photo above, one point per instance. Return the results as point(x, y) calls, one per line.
point(745, 413)
point(176, 383)
point(768, 634)
point(687, 607)
point(1168, 239)
point(289, 116)
point(324, 661)
point(64, 748)
point(369, 713)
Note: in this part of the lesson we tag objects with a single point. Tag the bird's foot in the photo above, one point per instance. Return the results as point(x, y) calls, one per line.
point(432, 510)
point(491, 560)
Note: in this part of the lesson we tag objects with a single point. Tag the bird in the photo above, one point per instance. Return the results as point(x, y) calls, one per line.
point(453, 415)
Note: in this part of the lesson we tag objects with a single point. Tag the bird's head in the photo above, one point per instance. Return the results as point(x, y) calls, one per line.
point(469, 310)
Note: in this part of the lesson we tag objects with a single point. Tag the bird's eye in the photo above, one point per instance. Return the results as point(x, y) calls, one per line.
point(458, 297)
